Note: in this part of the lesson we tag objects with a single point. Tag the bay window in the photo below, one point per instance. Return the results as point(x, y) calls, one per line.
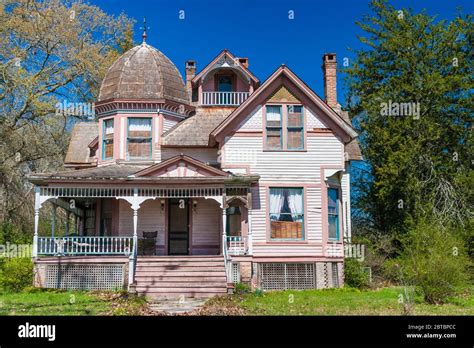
point(286, 210)
point(333, 213)
point(108, 139)
point(139, 138)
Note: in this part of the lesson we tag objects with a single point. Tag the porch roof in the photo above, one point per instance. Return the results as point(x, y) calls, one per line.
point(126, 174)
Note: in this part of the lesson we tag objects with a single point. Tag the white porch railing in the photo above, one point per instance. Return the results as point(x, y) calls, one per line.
point(85, 246)
point(224, 98)
point(237, 245)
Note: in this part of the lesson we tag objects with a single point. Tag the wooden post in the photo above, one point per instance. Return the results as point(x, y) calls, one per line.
point(249, 234)
point(37, 208)
point(68, 216)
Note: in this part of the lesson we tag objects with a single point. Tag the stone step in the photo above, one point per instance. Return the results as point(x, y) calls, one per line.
point(180, 290)
point(166, 270)
point(179, 258)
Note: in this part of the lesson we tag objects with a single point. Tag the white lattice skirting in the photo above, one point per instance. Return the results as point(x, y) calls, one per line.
point(85, 277)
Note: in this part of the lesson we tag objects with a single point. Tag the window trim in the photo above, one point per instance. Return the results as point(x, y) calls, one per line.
point(104, 140)
point(284, 127)
point(274, 128)
point(232, 76)
point(128, 137)
point(302, 240)
point(338, 213)
point(288, 128)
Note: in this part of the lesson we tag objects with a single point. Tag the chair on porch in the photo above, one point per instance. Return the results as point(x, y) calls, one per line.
point(148, 243)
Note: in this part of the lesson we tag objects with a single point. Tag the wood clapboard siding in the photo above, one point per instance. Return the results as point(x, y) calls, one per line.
point(206, 227)
point(150, 218)
point(346, 203)
point(168, 123)
point(285, 166)
point(206, 155)
point(288, 168)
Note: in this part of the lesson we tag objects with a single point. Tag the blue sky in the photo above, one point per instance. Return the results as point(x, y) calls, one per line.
point(261, 30)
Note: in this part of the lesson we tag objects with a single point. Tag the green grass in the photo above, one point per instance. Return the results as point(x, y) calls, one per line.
point(55, 302)
point(347, 301)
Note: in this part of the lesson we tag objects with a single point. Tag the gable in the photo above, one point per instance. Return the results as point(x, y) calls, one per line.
point(225, 59)
point(283, 83)
point(180, 166)
point(282, 94)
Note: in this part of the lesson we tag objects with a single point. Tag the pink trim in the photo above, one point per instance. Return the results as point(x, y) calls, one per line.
point(237, 166)
point(190, 226)
point(324, 205)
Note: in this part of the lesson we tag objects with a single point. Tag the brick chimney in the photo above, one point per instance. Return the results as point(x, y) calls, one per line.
point(329, 71)
point(190, 73)
point(244, 61)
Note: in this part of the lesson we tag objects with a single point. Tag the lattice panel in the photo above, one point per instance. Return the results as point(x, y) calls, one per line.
point(281, 276)
point(85, 277)
point(235, 272)
point(334, 275)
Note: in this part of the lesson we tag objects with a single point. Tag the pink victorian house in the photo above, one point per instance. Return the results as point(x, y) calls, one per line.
point(188, 188)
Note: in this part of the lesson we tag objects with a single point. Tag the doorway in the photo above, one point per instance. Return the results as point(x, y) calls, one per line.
point(178, 226)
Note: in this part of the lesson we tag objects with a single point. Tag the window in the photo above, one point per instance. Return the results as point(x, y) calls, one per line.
point(274, 127)
point(290, 119)
point(286, 213)
point(108, 139)
point(295, 126)
point(139, 138)
point(333, 213)
point(224, 83)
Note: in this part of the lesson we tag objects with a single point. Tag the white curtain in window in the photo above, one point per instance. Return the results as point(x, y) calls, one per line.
point(295, 201)
point(273, 113)
point(276, 201)
point(109, 127)
point(139, 124)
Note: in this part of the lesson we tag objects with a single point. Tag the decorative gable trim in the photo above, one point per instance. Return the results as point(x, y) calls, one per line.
point(181, 166)
point(283, 76)
point(283, 95)
point(216, 60)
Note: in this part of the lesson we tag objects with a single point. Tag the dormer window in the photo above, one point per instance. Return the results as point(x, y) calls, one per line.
point(139, 138)
point(108, 139)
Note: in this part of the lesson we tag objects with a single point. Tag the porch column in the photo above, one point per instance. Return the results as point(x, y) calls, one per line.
point(75, 224)
point(224, 227)
point(37, 207)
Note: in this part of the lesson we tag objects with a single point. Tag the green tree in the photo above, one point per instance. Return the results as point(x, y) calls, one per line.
point(419, 164)
point(50, 51)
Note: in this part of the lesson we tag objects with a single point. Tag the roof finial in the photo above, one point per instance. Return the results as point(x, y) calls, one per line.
point(144, 29)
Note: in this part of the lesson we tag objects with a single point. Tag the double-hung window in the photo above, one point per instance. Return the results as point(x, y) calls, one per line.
point(284, 127)
point(108, 139)
point(139, 138)
point(295, 127)
point(333, 214)
point(274, 127)
point(286, 210)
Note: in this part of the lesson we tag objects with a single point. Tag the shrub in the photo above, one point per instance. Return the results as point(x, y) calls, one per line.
point(16, 274)
point(434, 259)
point(241, 288)
point(354, 274)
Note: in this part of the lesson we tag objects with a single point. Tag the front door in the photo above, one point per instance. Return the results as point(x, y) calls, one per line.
point(178, 227)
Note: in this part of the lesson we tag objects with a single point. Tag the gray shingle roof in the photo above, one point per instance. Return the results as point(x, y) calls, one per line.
point(143, 72)
point(195, 130)
point(81, 136)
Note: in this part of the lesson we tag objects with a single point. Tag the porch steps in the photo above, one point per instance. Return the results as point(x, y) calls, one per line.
point(178, 277)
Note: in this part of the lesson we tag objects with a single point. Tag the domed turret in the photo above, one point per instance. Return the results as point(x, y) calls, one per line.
point(143, 73)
